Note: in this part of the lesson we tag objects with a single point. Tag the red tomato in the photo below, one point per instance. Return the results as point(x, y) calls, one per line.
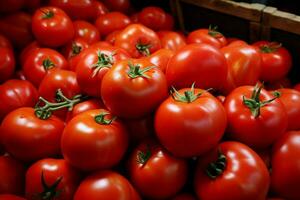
point(7, 63)
point(138, 40)
point(10, 197)
point(111, 22)
point(86, 31)
point(100, 8)
point(282, 83)
point(161, 58)
point(94, 134)
point(231, 171)
point(106, 185)
point(297, 87)
point(275, 59)
point(7, 6)
point(140, 85)
point(51, 179)
point(255, 116)
point(192, 116)
point(199, 63)
point(207, 36)
point(4, 42)
point(52, 27)
point(184, 196)
point(171, 40)
point(27, 51)
point(285, 176)
point(118, 5)
point(40, 61)
point(15, 94)
point(111, 38)
point(29, 138)
point(12, 173)
point(155, 173)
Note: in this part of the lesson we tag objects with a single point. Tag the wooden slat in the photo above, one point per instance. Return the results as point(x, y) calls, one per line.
point(266, 21)
point(285, 21)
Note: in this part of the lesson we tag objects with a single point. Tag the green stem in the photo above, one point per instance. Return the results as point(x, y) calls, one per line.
point(271, 47)
point(213, 31)
point(103, 61)
point(143, 156)
point(144, 49)
point(100, 119)
point(76, 49)
point(216, 168)
point(47, 14)
point(48, 64)
point(189, 95)
point(136, 71)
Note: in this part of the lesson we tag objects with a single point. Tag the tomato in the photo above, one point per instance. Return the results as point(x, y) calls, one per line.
point(12, 174)
point(297, 86)
point(138, 40)
point(192, 116)
point(285, 174)
point(161, 58)
point(199, 63)
point(207, 36)
point(7, 6)
point(111, 38)
point(106, 185)
point(100, 8)
point(155, 18)
point(255, 116)
point(111, 22)
point(171, 40)
point(94, 64)
point(140, 85)
point(52, 27)
point(40, 61)
point(51, 179)
point(7, 63)
point(282, 83)
point(94, 134)
point(155, 172)
point(231, 171)
point(86, 31)
point(244, 66)
point(221, 98)
point(275, 59)
point(27, 137)
point(118, 5)
point(15, 94)
point(4, 42)
point(27, 51)
point(184, 196)
point(10, 197)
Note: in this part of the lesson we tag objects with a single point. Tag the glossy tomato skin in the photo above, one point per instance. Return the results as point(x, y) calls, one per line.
point(118, 5)
point(161, 58)
point(27, 51)
point(259, 132)
point(86, 31)
point(206, 36)
point(159, 177)
point(285, 166)
point(171, 40)
point(79, 144)
point(199, 125)
point(51, 170)
point(52, 27)
point(100, 8)
point(4, 42)
point(140, 95)
point(243, 167)
point(297, 87)
point(7, 63)
point(111, 38)
point(135, 35)
point(12, 174)
point(184, 196)
point(29, 138)
point(15, 94)
point(10, 197)
point(199, 63)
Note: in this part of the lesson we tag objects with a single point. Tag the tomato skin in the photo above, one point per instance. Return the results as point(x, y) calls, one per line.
point(86, 31)
point(111, 38)
point(10, 197)
point(243, 167)
point(90, 142)
point(285, 174)
point(7, 64)
point(171, 40)
point(161, 176)
point(199, 125)
point(111, 22)
point(137, 34)
point(15, 94)
point(29, 138)
point(199, 63)
point(53, 31)
point(4, 42)
point(282, 83)
point(260, 132)
point(7, 6)
point(203, 36)
point(118, 5)
point(184, 196)
point(100, 8)
point(161, 58)
point(52, 170)
point(27, 51)
point(12, 174)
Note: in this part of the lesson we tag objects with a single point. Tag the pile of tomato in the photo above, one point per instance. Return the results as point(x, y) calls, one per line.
point(99, 100)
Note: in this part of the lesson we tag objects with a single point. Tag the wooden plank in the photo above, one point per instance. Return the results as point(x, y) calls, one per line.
point(285, 21)
point(179, 14)
point(266, 21)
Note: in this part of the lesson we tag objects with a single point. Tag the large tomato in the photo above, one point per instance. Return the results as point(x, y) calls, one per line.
point(10, 197)
point(190, 122)
point(200, 63)
point(100, 8)
point(86, 31)
point(171, 40)
point(255, 116)
point(111, 38)
point(133, 88)
point(27, 51)
point(231, 171)
point(138, 40)
point(161, 58)
point(51, 179)
point(155, 172)
point(7, 63)
point(52, 27)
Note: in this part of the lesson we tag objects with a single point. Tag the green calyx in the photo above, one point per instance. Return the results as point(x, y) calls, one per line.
point(216, 168)
point(47, 14)
point(188, 96)
point(75, 49)
point(213, 31)
point(103, 61)
point(144, 49)
point(271, 47)
point(143, 156)
point(136, 71)
point(100, 119)
point(48, 64)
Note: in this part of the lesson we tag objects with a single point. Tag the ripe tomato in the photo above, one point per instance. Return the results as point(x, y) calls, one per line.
point(4, 42)
point(52, 27)
point(275, 59)
point(27, 51)
point(285, 174)
point(94, 134)
point(255, 116)
point(15, 94)
point(155, 173)
point(12, 173)
point(7, 63)
point(111, 38)
point(111, 22)
point(51, 179)
point(140, 85)
point(199, 63)
point(161, 58)
point(184, 196)
point(10, 197)
point(118, 5)
point(106, 185)
point(231, 171)
point(40, 61)
point(138, 40)
point(192, 116)
point(86, 31)
point(171, 40)
point(100, 8)
point(94, 64)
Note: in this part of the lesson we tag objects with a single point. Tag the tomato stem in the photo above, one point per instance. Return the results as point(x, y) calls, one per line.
point(143, 156)
point(271, 47)
point(47, 14)
point(144, 49)
point(48, 64)
point(136, 71)
point(100, 119)
point(213, 31)
point(76, 49)
point(103, 61)
point(189, 95)
point(216, 168)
